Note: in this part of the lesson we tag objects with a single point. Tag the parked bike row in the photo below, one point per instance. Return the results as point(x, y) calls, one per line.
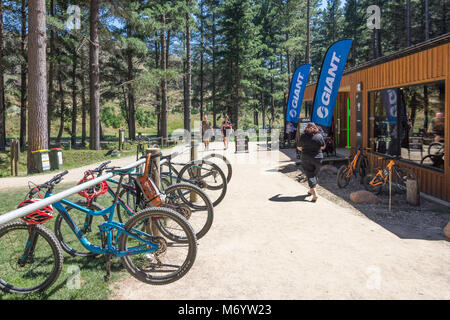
point(152, 225)
point(374, 181)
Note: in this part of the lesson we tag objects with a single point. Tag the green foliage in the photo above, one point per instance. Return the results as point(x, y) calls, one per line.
point(111, 118)
point(145, 118)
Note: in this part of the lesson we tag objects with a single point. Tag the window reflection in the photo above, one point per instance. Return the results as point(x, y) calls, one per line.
point(409, 123)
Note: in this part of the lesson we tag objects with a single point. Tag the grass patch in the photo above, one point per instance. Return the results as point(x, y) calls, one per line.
point(92, 270)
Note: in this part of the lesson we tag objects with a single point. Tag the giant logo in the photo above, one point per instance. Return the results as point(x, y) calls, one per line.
point(296, 93)
point(329, 81)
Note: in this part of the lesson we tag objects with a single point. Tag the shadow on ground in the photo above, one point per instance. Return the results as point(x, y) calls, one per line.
point(425, 222)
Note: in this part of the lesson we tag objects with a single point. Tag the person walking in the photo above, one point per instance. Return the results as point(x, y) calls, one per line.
point(206, 131)
point(311, 144)
point(226, 131)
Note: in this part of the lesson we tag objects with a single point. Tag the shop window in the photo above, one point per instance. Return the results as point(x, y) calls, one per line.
point(409, 123)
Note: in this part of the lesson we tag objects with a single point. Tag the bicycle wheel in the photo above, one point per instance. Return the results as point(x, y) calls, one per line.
point(86, 223)
point(436, 148)
point(433, 160)
point(222, 162)
point(171, 260)
point(31, 258)
point(343, 176)
point(363, 167)
point(207, 176)
point(168, 175)
point(399, 178)
point(128, 198)
point(193, 204)
point(373, 183)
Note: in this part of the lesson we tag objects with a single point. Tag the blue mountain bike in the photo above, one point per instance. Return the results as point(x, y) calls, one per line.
point(31, 257)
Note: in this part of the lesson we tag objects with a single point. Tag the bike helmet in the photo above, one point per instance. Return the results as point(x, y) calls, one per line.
point(39, 216)
point(94, 191)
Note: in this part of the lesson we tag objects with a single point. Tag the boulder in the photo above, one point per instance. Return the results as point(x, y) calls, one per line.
point(363, 196)
point(447, 230)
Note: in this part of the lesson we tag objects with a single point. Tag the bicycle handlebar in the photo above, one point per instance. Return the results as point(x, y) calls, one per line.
point(49, 184)
point(101, 167)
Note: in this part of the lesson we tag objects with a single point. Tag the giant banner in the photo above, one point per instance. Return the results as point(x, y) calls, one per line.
point(296, 93)
point(329, 81)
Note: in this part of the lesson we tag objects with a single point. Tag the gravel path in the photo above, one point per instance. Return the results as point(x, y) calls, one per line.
point(268, 241)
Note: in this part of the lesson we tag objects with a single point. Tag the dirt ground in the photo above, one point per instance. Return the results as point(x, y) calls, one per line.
point(426, 221)
point(269, 241)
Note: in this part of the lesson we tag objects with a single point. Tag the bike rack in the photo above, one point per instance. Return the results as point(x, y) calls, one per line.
point(21, 212)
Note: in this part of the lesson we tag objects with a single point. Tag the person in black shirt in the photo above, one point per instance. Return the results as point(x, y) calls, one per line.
point(311, 144)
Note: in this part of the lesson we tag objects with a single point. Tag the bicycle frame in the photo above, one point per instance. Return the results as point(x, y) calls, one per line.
point(383, 174)
point(108, 227)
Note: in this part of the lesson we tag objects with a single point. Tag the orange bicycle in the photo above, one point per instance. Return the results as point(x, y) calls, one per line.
point(358, 166)
point(375, 182)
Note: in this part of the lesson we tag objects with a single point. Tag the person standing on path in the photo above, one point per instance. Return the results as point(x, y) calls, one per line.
point(206, 131)
point(311, 144)
point(226, 131)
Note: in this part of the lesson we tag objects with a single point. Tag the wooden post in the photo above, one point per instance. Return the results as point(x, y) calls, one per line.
point(17, 157)
point(13, 146)
point(120, 140)
point(390, 190)
point(412, 192)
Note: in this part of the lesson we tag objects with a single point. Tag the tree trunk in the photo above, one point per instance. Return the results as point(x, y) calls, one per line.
point(214, 69)
point(37, 89)
point(63, 106)
point(408, 23)
point(157, 91)
point(164, 111)
point(427, 20)
point(23, 79)
point(2, 88)
point(51, 72)
point(94, 77)
point(202, 53)
point(308, 34)
point(188, 106)
point(84, 104)
point(74, 99)
point(131, 105)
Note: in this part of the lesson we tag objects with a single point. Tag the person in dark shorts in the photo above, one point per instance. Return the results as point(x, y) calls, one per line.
point(311, 144)
point(226, 131)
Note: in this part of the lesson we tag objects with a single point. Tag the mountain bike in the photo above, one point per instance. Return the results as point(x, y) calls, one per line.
point(186, 199)
point(156, 246)
point(375, 182)
point(202, 173)
point(358, 166)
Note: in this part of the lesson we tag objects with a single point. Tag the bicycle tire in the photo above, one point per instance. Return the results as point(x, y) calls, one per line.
point(12, 245)
point(440, 148)
point(437, 161)
point(341, 178)
point(201, 228)
point(362, 165)
point(227, 162)
point(66, 244)
point(400, 177)
point(222, 186)
point(374, 189)
point(134, 263)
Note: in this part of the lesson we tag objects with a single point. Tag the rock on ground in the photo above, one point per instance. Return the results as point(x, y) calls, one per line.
point(447, 230)
point(364, 197)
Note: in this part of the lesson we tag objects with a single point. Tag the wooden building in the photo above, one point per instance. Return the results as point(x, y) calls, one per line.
point(399, 105)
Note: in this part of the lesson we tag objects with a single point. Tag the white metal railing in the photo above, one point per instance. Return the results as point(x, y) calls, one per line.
point(21, 212)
